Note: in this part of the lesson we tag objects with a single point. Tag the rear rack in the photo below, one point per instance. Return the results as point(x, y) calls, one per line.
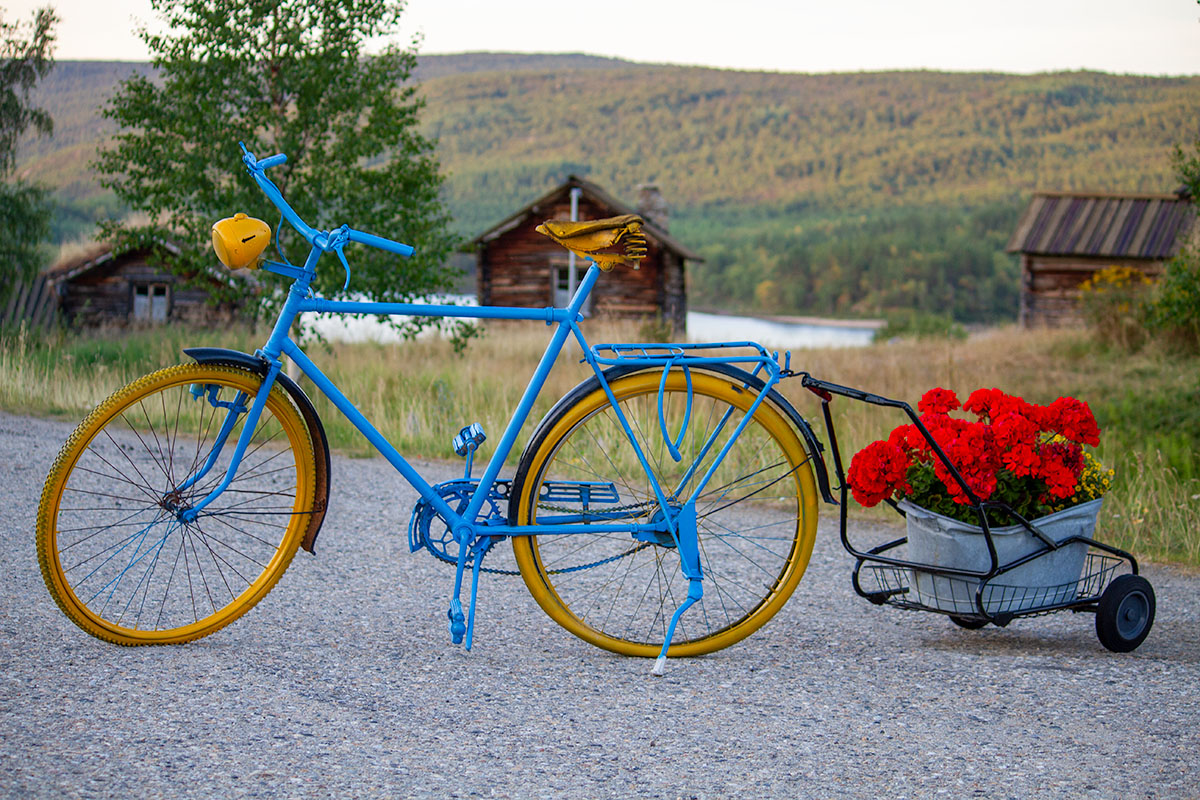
point(651, 354)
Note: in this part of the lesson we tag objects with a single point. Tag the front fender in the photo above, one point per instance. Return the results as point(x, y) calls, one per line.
point(316, 431)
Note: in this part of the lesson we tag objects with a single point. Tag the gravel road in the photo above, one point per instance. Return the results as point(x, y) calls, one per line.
point(342, 683)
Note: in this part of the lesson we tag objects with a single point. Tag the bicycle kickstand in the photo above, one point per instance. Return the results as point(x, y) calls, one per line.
point(688, 545)
point(475, 565)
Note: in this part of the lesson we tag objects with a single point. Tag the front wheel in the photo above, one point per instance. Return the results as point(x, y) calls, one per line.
point(116, 548)
point(756, 516)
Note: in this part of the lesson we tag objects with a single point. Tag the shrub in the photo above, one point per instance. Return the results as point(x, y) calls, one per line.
point(1115, 303)
point(920, 325)
point(1175, 311)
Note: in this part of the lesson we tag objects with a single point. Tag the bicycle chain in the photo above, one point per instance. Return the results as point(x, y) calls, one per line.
point(569, 510)
point(639, 546)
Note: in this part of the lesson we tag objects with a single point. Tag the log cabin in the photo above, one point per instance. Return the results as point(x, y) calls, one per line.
point(1064, 238)
point(516, 266)
point(99, 289)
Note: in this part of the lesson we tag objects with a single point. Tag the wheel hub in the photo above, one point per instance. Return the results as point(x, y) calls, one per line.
point(1131, 615)
point(173, 503)
point(660, 538)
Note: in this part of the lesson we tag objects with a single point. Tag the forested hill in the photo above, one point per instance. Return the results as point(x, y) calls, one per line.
point(838, 193)
point(716, 138)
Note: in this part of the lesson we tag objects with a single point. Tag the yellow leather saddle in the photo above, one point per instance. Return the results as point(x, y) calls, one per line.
point(608, 242)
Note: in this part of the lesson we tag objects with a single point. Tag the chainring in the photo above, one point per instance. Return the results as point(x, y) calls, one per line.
point(426, 529)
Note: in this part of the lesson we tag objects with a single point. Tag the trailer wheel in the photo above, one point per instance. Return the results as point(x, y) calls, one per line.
point(1125, 614)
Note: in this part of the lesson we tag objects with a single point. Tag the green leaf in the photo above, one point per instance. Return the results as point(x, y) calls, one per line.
point(283, 76)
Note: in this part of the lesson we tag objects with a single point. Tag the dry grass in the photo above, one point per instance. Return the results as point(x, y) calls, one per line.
point(1146, 403)
point(419, 394)
point(1152, 512)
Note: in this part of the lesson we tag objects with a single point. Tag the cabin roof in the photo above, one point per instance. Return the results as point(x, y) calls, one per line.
point(599, 196)
point(93, 257)
point(1103, 225)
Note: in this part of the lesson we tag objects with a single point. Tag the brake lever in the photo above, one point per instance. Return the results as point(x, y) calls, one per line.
point(337, 240)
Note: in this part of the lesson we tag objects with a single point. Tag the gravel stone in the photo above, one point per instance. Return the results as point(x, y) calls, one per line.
point(342, 682)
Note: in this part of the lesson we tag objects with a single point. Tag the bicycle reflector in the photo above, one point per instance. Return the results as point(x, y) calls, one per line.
point(240, 240)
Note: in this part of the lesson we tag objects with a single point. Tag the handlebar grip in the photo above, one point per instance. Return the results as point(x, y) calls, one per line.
point(381, 243)
point(272, 161)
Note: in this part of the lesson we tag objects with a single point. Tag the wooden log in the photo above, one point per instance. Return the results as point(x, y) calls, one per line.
point(10, 308)
point(22, 299)
point(41, 312)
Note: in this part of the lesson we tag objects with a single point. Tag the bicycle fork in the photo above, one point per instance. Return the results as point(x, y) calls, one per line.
point(234, 410)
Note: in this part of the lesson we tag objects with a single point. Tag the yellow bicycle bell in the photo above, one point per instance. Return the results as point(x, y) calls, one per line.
point(240, 240)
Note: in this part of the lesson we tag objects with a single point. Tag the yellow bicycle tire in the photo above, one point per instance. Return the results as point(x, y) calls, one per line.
point(769, 430)
point(94, 458)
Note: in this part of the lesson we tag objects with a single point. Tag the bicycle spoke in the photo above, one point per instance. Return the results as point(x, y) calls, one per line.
point(121, 523)
point(246, 534)
point(125, 565)
point(146, 583)
point(120, 476)
point(748, 514)
point(145, 484)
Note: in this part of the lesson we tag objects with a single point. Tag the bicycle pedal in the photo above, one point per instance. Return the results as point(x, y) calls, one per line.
point(458, 621)
point(469, 439)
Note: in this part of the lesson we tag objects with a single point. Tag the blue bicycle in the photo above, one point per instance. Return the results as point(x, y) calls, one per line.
point(675, 478)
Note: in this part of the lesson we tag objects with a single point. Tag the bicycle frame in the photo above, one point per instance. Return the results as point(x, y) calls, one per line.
point(566, 321)
point(677, 517)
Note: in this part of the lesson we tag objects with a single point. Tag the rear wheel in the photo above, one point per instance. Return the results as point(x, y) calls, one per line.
point(115, 550)
point(756, 515)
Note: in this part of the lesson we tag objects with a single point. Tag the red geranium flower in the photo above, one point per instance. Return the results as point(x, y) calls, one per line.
point(972, 452)
point(1016, 441)
point(1072, 419)
point(1027, 456)
point(938, 401)
point(877, 472)
point(988, 404)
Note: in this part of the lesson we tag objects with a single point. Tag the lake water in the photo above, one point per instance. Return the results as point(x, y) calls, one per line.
point(790, 334)
point(777, 333)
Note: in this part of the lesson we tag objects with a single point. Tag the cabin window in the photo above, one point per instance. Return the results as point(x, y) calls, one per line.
point(151, 302)
point(560, 284)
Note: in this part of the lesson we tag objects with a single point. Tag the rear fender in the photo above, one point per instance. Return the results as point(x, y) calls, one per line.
point(612, 373)
point(316, 431)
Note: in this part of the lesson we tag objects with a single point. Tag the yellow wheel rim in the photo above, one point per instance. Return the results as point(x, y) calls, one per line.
point(780, 463)
point(110, 550)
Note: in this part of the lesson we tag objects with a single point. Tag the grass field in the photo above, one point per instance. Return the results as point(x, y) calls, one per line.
point(420, 394)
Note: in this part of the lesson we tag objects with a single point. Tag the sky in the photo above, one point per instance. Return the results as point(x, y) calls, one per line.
point(1146, 37)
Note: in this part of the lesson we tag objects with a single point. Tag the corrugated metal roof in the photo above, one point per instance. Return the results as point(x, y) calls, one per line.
point(1150, 226)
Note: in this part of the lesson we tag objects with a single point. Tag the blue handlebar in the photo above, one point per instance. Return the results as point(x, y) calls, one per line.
point(380, 242)
point(320, 239)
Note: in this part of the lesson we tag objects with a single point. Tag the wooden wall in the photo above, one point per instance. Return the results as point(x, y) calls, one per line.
point(104, 296)
point(514, 269)
point(1050, 286)
point(675, 292)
